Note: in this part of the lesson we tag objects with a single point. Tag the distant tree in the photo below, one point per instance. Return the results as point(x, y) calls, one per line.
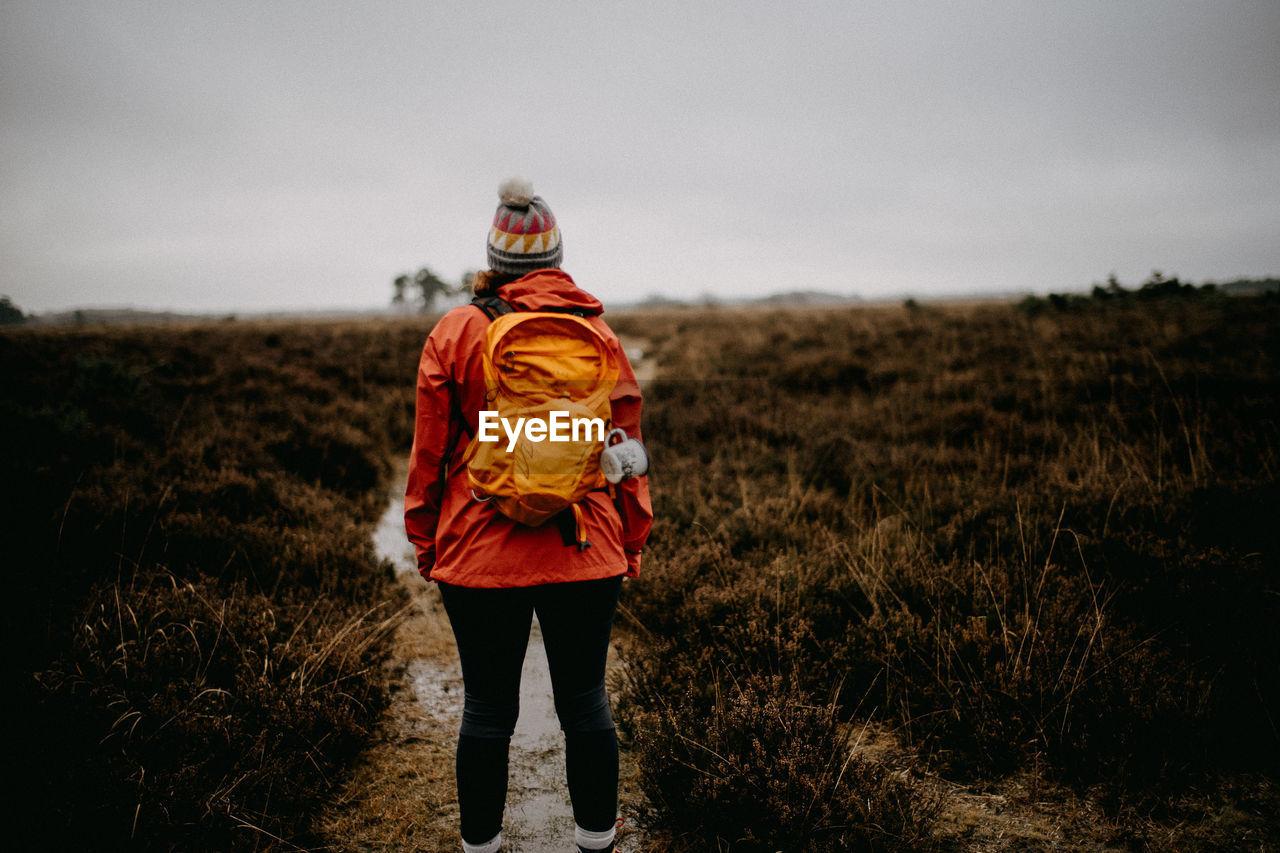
point(1033, 306)
point(1158, 286)
point(430, 286)
point(10, 314)
point(424, 288)
point(401, 285)
point(1112, 290)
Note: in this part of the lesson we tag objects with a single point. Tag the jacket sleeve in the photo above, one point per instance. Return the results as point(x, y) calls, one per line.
point(631, 496)
point(434, 432)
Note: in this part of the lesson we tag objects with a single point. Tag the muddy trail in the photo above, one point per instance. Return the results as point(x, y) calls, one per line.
point(401, 795)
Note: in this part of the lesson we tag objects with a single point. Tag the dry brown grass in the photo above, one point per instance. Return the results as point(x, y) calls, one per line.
point(964, 577)
point(1038, 548)
point(400, 794)
point(197, 622)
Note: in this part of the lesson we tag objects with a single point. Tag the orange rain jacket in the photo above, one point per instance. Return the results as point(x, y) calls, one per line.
point(465, 542)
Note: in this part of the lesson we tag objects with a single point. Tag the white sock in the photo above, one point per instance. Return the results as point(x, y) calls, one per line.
point(490, 846)
point(593, 840)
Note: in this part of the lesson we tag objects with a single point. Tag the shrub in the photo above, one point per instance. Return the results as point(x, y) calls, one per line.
point(197, 616)
point(760, 769)
point(1028, 543)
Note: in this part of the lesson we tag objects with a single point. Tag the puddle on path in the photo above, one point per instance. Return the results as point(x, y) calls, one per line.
point(539, 818)
point(637, 350)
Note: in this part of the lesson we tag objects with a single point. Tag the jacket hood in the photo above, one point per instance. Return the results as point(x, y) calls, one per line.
point(549, 288)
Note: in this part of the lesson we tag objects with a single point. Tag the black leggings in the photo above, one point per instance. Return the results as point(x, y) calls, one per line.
point(492, 630)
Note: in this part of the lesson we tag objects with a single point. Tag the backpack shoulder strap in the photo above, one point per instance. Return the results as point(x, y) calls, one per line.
point(576, 312)
point(493, 306)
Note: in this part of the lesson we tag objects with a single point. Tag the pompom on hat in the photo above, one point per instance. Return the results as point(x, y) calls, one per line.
point(524, 236)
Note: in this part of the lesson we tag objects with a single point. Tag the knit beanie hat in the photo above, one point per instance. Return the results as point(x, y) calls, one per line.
point(524, 236)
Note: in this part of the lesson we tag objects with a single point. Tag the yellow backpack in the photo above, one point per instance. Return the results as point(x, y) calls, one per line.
point(548, 373)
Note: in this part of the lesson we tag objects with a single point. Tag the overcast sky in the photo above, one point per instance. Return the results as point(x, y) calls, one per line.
point(242, 156)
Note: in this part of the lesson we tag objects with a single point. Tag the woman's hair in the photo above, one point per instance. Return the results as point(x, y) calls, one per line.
point(487, 282)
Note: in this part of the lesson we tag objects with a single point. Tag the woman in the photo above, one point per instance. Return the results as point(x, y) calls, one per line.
point(494, 573)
